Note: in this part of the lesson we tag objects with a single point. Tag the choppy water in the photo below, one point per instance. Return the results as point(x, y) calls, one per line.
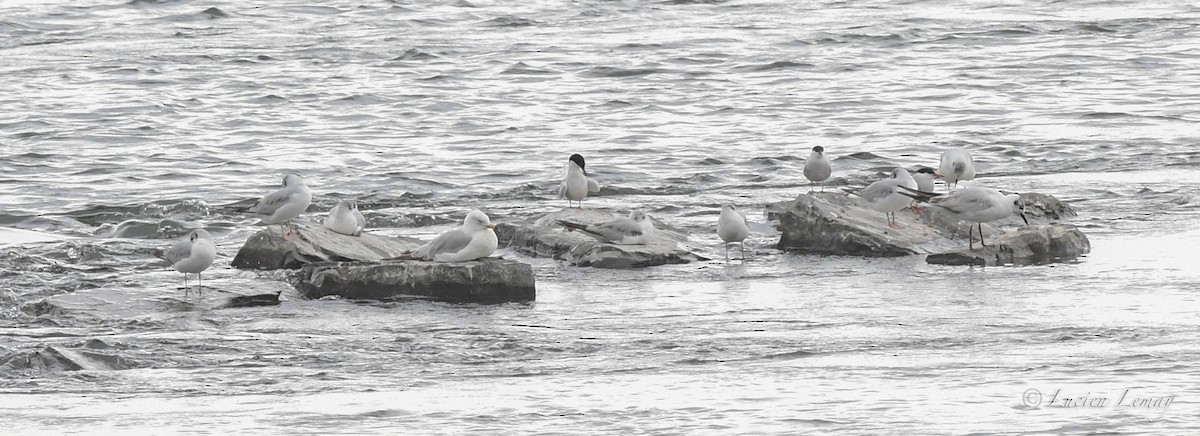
point(163, 111)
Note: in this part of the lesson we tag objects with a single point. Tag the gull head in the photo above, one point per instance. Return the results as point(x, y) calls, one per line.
point(292, 179)
point(577, 159)
point(477, 220)
point(899, 173)
point(199, 234)
point(729, 207)
point(637, 215)
point(819, 149)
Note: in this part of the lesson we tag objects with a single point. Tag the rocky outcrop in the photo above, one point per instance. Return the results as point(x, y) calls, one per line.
point(1028, 246)
point(544, 237)
point(834, 223)
point(489, 280)
point(276, 248)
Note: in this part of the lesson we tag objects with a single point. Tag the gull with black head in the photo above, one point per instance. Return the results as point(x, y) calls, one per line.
point(817, 167)
point(575, 185)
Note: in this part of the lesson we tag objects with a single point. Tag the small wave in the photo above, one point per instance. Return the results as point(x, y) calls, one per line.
point(523, 68)
point(510, 21)
point(358, 100)
point(615, 104)
point(788, 355)
point(1106, 115)
point(154, 2)
point(620, 72)
point(777, 65)
point(414, 54)
point(270, 99)
point(693, 2)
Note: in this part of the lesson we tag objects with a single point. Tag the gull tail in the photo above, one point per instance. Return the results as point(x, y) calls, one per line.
point(916, 194)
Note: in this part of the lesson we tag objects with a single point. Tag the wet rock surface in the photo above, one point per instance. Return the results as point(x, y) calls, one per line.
point(834, 223)
point(275, 248)
point(544, 237)
point(490, 280)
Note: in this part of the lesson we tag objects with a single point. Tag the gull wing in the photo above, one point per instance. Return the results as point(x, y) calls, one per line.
point(878, 190)
point(450, 242)
point(616, 229)
point(965, 201)
point(180, 251)
point(271, 203)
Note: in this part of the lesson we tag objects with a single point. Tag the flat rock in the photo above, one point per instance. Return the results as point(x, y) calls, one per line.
point(489, 280)
point(313, 243)
point(544, 237)
point(129, 303)
point(834, 223)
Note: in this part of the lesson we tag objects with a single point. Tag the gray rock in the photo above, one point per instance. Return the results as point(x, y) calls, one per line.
point(130, 303)
point(1029, 246)
point(834, 223)
point(544, 237)
point(489, 280)
point(312, 243)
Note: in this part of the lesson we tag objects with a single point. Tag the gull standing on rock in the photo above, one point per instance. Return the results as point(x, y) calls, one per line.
point(637, 229)
point(956, 166)
point(575, 185)
point(191, 256)
point(884, 195)
point(346, 219)
point(285, 204)
point(474, 240)
point(818, 167)
point(976, 205)
point(731, 227)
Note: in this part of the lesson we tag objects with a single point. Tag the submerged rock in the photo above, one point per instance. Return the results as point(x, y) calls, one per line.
point(834, 223)
point(489, 280)
point(311, 243)
point(9, 235)
point(55, 358)
point(544, 237)
point(130, 303)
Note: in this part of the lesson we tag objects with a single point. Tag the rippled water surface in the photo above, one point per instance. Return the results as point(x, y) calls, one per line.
point(125, 123)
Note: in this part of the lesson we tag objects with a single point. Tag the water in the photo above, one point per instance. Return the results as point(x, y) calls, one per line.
point(162, 112)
